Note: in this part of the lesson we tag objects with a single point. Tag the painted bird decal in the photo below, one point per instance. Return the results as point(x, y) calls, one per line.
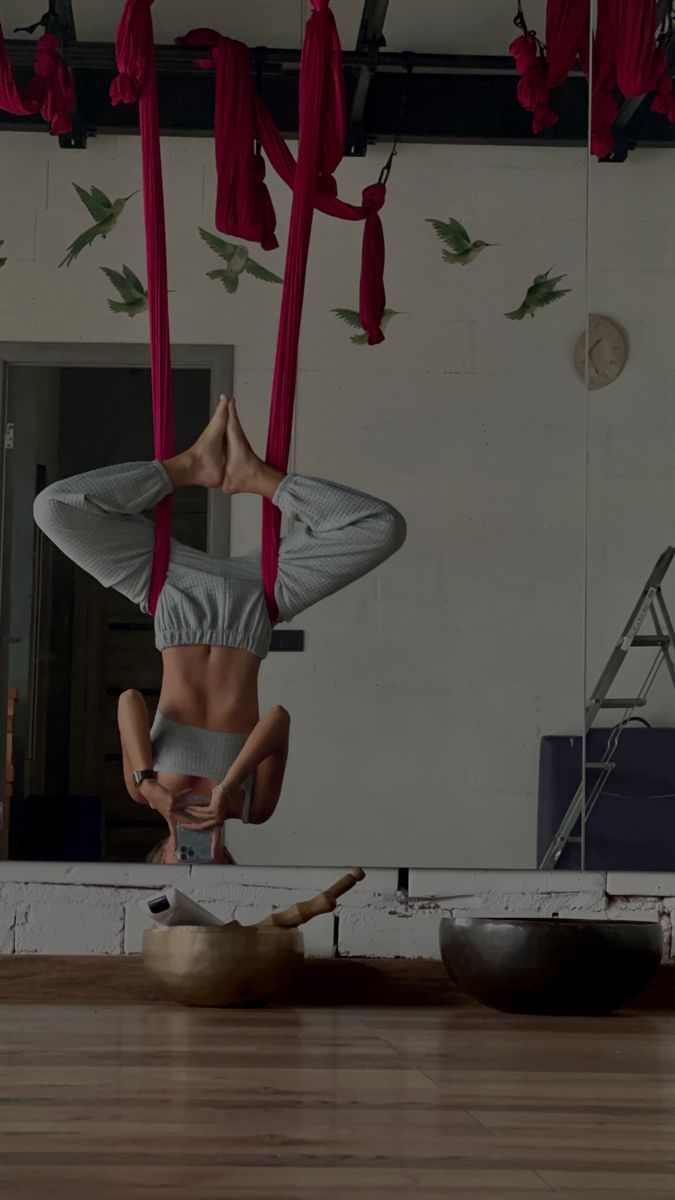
point(105, 213)
point(352, 318)
point(134, 295)
point(542, 291)
point(238, 261)
point(460, 249)
point(2, 260)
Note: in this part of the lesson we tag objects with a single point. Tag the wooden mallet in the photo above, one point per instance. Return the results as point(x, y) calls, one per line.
point(325, 902)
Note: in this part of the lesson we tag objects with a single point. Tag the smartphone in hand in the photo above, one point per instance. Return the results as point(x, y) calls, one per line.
point(194, 845)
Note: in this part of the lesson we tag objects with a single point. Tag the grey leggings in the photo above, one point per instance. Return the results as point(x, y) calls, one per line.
point(96, 519)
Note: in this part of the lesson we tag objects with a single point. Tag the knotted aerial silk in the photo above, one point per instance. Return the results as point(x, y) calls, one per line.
point(137, 81)
point(626, 60)
point(244, 208)
point(244, 126)
point(50, 92)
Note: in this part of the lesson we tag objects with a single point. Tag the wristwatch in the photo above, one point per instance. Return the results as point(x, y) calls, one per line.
point(141, 776)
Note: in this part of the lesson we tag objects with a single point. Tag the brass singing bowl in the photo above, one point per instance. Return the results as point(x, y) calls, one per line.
point(219, 967)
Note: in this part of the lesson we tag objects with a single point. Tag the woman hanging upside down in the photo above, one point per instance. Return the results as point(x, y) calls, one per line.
point(212, 625)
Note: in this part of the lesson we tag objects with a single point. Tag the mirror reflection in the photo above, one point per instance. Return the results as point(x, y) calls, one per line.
point(401, 684)
point(630, 695)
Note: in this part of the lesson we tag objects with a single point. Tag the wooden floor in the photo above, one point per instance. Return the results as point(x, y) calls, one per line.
point(109, 1093)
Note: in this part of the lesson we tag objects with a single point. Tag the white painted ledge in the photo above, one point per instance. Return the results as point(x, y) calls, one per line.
point(640, 883)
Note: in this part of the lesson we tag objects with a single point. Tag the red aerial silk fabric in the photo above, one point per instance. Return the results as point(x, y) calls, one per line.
point(640, 65)
point(243, 205)
point(567, 37)
point(533, 86)
point(605, 99)
point(51, 91)
point(241, 172)
point(626, 60)
point(371, 291)
point(137, 80)
point(244, 208)
point(320, 148)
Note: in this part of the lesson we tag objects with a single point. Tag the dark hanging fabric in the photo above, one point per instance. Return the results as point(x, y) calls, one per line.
point(137, 81)
point(50, 92)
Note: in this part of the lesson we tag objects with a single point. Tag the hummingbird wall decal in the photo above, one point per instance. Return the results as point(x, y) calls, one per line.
point(2, 260)
point(105, 213)
point(542, 291)
point(134, 297)
point(352, 318)
point(238, 260)
point(459, 246)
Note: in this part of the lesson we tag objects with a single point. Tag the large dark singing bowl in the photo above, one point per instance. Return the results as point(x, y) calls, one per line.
point(546, 966)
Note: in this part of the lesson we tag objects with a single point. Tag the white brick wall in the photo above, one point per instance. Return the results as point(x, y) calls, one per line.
point(73, 915)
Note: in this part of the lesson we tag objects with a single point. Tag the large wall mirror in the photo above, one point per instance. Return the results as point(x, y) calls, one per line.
point(630, 693)
point(436, 703)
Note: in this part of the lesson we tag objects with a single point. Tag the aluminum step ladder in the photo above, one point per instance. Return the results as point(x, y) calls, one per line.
point(650, 604)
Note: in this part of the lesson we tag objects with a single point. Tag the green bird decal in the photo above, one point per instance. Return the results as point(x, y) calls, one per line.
point(2, 260)
point(134, 295)
point(238, 261)
point(105, 213)
point(542, 291)
point(459, 246)
point(352, 318)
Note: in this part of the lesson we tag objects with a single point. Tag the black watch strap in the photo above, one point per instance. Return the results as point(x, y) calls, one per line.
point(141, 776)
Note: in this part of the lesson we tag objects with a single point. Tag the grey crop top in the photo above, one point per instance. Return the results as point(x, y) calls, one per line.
point(187, 750)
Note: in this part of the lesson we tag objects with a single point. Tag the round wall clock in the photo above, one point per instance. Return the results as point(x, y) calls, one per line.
point(607, 355)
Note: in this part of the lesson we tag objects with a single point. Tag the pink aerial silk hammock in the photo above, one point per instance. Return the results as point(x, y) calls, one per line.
point(244, 209)
point(50, 92)
point(626, 60)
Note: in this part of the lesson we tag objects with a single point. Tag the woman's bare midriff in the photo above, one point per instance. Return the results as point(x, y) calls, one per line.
point(212, 687)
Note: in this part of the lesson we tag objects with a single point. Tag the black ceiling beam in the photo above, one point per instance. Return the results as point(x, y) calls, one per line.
point(456, 98)
point(179, 59)
point(370, 41)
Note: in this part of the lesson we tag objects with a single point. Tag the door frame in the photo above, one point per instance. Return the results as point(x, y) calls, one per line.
point(217, 360)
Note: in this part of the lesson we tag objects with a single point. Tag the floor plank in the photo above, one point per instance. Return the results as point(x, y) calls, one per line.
point(436, 1097)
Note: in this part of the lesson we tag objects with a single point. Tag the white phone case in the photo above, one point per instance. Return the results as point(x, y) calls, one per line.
point(172, 907)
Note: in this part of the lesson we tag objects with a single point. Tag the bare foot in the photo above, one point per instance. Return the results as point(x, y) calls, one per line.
point(203, 465)
point(242, 464)
point(208, 452)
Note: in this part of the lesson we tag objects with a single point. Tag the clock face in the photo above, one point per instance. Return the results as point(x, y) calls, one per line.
point(607, 355)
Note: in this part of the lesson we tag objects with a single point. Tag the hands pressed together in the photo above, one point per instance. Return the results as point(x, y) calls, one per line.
point(181, 810)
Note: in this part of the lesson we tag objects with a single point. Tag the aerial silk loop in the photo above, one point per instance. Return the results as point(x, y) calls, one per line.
point(243, 205)
point(244, 209)
point(137, 81)
point(626, 59)
point(50, 92)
